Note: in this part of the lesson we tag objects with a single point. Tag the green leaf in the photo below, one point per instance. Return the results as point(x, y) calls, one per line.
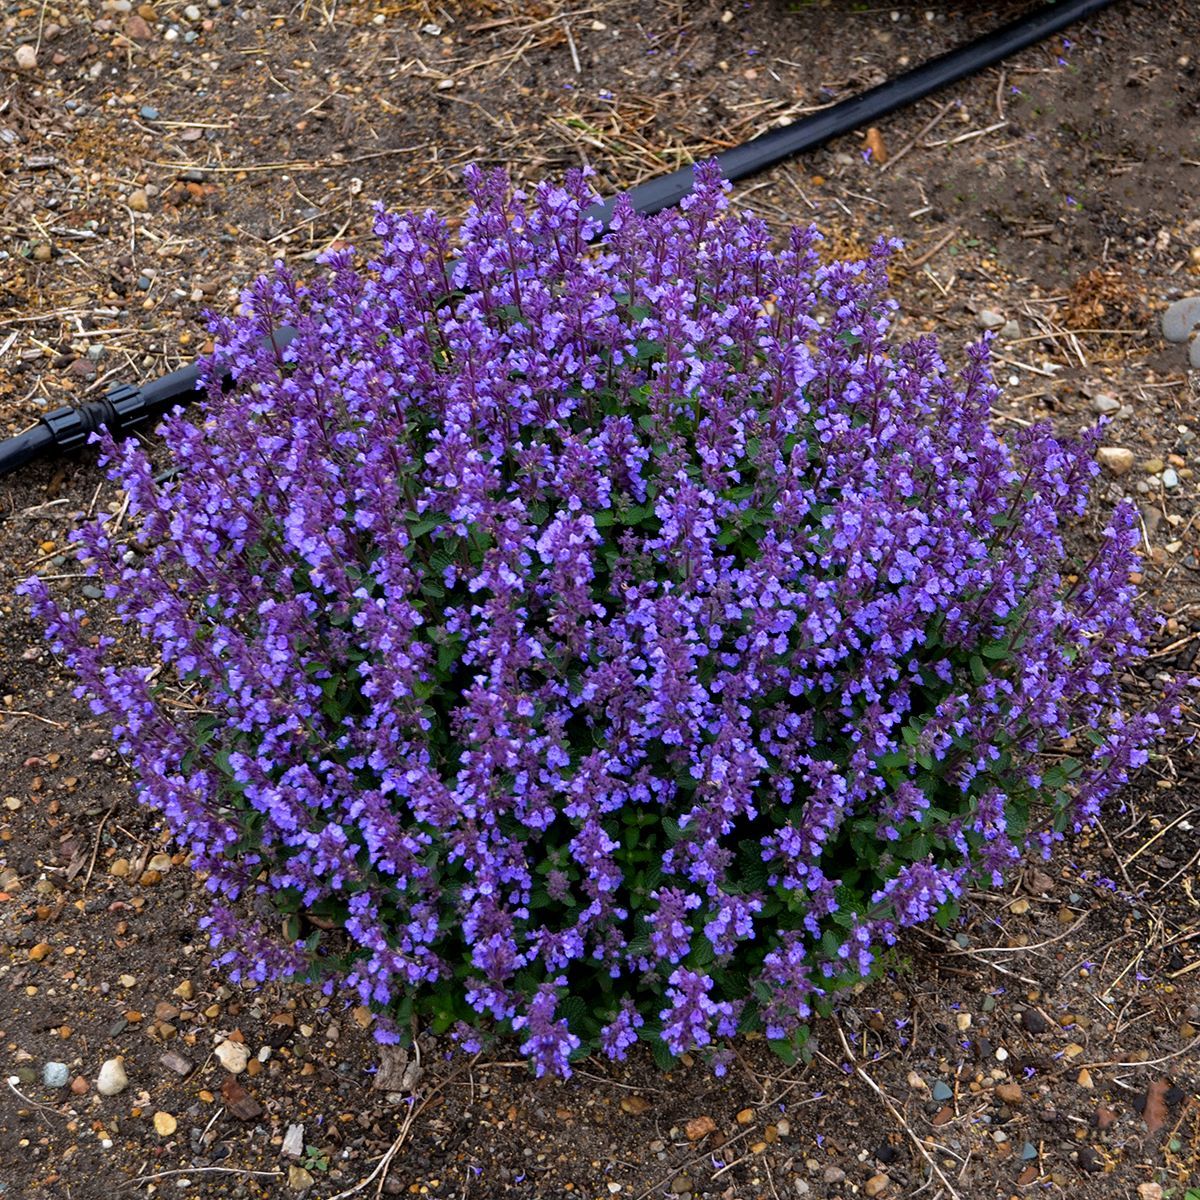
point(663, 1058)
point(783, 1049)
point(428, 523)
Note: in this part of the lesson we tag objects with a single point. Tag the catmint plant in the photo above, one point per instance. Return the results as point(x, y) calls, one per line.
point(600, 641)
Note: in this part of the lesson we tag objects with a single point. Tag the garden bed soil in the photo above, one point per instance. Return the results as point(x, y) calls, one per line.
point(157, 157)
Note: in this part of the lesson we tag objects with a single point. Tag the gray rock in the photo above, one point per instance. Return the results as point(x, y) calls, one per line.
point(149, 112)
point(1010, 330)
point(1181, 318)
point(942, 1092)
point(1105, 405)
point(55, 1075)
point(1194, 354)
point(1170, 478)
point(833, 1175)
point(179, 1063)
point(989, 318)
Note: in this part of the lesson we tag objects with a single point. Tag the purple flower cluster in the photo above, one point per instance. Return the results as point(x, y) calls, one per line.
point(612, 640)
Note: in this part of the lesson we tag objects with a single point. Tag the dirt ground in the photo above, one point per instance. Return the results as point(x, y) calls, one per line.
point(156, 157)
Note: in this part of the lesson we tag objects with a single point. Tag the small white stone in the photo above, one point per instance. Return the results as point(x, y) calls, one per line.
point(989, 318)
point(112, 1078)
point(192, 12)
point(293, 1141)
point(1105, 405)
point(1115, 459)
point(234, 1056)
point(26, 58)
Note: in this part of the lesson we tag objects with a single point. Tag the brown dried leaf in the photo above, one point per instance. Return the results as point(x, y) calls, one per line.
point(1155, 1112)
point(239, 1101)
point(874, 143)
point(396, 1072)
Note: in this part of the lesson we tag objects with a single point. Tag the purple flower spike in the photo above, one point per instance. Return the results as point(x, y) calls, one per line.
point(600, 641)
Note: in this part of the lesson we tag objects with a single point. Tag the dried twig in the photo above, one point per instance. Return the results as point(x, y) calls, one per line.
point(201, 1171)
point(96, 847)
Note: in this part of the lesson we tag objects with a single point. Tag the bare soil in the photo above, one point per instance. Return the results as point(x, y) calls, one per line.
point(155, 160)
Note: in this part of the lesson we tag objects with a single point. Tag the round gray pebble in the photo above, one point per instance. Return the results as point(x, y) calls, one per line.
point(55, 1075)
point(1180, 319)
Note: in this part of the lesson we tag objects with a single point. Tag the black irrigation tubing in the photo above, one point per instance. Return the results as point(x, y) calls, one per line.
point(126, 407)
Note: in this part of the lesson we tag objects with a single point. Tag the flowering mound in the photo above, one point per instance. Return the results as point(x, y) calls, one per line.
point(602, 642)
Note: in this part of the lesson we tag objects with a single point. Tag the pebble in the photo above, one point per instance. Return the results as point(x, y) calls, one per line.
point(192, 12)
point(1115, 459)
point(179, 1063)
point(1105, 405)
point(1032, 1021)
point(1010, 1093)
point(1181, 318)
point(1010, 330)
point(26, 58)
point(1170, 478)
point(148, 112)
point(989, 318)
point(139, 201)
point(79, 1086)
point(942, 1091)
point(299, 1178)
point(112, 1078)
point(876, 1185)
point(165, 1124)
point(55, 1075)
point(1194, 354)
point(234, 1056)
point(293, 1141)
point(833, 1175)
